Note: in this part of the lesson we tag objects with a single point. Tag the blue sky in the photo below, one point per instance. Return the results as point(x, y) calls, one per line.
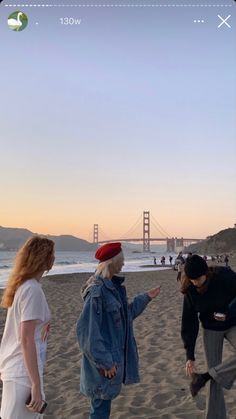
point(133, 109)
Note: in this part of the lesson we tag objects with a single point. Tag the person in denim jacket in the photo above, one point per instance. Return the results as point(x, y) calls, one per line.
point(105, 332)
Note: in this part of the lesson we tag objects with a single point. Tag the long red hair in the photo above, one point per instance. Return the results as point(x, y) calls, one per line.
point(34, 257)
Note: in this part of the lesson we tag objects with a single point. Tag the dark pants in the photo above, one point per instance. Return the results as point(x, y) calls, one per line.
point(223, 373)
point(178, 276)
point(100, 409)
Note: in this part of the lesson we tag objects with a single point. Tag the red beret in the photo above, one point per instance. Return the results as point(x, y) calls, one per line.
point(108, 251)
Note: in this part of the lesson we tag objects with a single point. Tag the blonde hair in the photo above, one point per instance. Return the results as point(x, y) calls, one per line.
point(34, 257)
point(110, 267)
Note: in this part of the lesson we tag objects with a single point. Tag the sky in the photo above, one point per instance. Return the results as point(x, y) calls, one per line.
point(133, 109)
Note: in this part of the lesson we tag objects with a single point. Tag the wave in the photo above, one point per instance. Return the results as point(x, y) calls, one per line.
point(66, 262)
point(4, 267)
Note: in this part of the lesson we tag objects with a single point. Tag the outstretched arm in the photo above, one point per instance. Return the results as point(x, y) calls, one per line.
point(140, 302)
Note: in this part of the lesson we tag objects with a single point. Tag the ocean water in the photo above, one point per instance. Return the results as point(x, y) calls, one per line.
point(71, 262)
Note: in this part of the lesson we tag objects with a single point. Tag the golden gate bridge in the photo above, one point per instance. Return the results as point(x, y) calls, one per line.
point(173, 244)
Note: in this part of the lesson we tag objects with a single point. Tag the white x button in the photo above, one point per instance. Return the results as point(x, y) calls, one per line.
point(224, 21)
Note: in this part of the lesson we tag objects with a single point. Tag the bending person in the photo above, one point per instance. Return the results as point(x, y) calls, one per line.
point(211, 294)
point(105, 332)
point(23, 346)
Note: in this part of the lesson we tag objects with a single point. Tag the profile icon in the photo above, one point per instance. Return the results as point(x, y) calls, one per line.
point(17, 21)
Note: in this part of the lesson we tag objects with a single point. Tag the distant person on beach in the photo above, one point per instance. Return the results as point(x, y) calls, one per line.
point(24, 341)
point(105, 332)
point(209, 293)
point(180, 265)
point(181, 258)
point(180, 268)
point(154, 261)
point(163, 260)
point(170, 259)
point(226, 260)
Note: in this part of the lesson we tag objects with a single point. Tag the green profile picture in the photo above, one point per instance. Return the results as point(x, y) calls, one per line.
point(17, 21)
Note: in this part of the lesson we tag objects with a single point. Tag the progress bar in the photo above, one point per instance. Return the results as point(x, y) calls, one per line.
point(119, 5)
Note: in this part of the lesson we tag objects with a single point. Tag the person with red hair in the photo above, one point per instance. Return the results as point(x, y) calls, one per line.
point(24, 341)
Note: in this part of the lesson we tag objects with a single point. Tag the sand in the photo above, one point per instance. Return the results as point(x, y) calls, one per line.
point(164, 389)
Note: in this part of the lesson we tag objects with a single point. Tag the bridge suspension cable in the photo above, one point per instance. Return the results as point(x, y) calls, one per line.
point(159, 228)
point(101, 233)
point(157, 231)
point(133, 228)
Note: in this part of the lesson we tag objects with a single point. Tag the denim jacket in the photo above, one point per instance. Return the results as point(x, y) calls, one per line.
point(106, 338)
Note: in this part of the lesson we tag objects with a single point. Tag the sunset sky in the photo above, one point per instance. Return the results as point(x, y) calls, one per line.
point(133, 109)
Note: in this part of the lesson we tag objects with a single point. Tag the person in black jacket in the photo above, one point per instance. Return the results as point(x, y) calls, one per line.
point(209, 296)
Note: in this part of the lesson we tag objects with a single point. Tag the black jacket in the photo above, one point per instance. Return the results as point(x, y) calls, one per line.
point(220, 296)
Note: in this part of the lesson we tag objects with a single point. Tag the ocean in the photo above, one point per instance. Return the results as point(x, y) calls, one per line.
point(71, 262)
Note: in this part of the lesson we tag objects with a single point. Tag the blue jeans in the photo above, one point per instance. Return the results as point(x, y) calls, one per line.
point(100, 409)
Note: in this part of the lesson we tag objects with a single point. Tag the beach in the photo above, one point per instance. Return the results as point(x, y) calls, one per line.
point(164, 388)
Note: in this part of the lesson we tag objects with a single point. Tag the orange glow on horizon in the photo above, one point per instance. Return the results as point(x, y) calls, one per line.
point(110, 230)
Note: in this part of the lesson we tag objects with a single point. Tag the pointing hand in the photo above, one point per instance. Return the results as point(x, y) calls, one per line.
point(154, 292)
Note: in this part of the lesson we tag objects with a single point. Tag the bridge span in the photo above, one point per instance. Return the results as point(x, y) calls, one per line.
point(173, 244)
point(159, 239)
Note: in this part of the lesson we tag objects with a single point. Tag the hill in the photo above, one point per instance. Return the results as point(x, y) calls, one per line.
point(222, 242)
point(13, 238)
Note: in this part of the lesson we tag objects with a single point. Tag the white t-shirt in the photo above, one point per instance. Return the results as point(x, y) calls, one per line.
point(29, 304)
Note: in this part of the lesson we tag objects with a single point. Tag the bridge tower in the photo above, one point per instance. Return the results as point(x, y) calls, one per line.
point(170, 244)
point(146, 231)
point(95, 233)
point(179, 244)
